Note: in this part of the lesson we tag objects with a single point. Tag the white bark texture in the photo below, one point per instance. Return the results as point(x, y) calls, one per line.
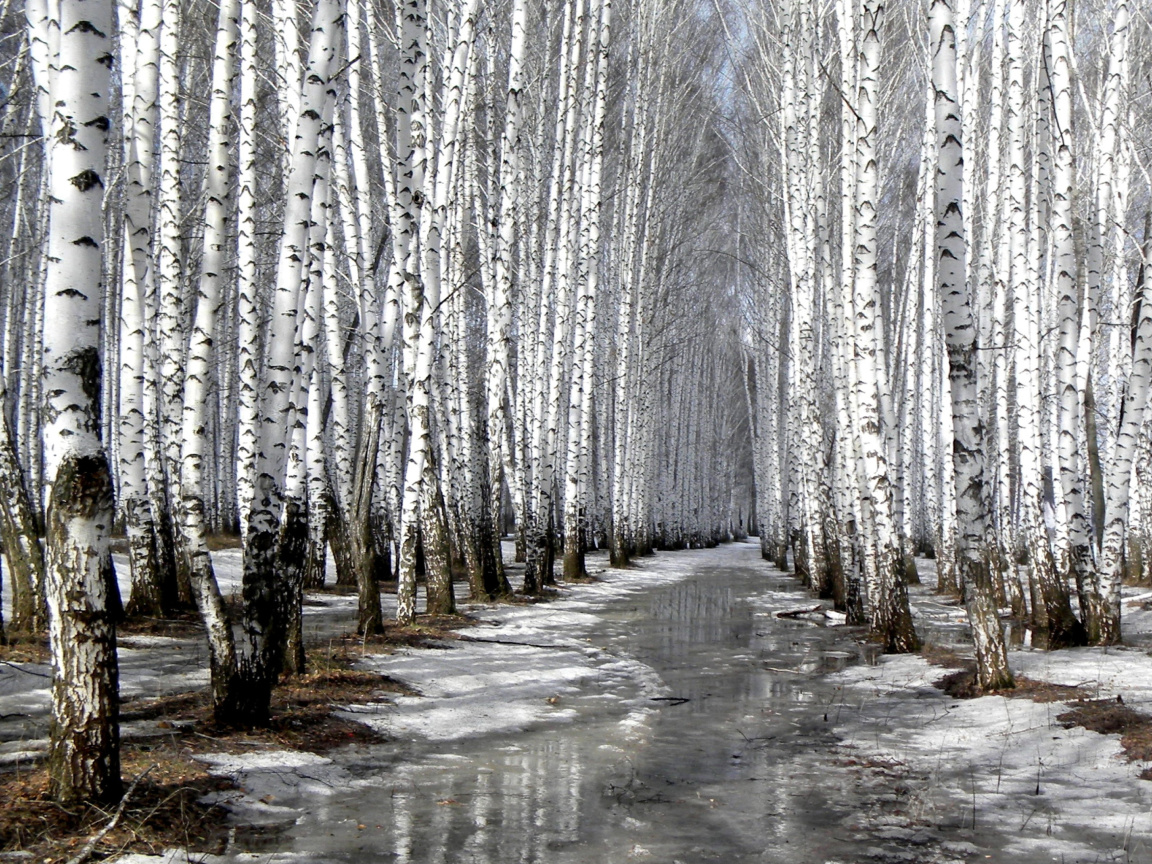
point(889, 617)
point(267, 597)
point(968, 455)
point(84, 749)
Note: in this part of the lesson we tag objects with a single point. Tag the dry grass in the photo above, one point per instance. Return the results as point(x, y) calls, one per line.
point(25, 649)
point(938, 655)
point(164, 811)
point(429, 631)
point(1106, 716)
point(884, 767)
point(180, 625)
point(546, 594)
point(167, 808)
point(961, 684)
point(302, 716)
point(215, 542)
point(587, 579)
point(1042, 691)
point(1113, 717)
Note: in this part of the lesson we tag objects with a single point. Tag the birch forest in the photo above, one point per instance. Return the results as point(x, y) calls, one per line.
point(434, 304)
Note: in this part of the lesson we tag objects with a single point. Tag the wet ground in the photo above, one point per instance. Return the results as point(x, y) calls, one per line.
point(718, 746)
point(666, 713)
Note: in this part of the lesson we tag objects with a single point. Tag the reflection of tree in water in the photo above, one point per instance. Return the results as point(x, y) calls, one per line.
point(519, 805)
point(748, 726)
point(527, 802)
point(741, 772)
point(698, 613)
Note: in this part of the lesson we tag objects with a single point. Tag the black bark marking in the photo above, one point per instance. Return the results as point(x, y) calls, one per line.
point(67, 132)
point(85, 365)
point(86, 180)
point(87, 27)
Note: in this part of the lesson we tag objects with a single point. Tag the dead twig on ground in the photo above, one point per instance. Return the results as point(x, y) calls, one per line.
point(86, 852)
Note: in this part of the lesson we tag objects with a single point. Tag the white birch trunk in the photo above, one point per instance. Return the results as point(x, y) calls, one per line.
point(972, 547)
point(889, 616)
point(266, 617)
point(1073, 530)
point(1103, 614)
point(1063, 628)
point(500, 304)
point(169, 253)
point(423, 498)
point(247, 309)
point(84, 747)
point(140, 50)
point(1120, 469)
point(202, 359)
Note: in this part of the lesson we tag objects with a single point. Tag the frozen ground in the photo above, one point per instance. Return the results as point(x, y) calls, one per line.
point(1066, 793)
point(665, 713)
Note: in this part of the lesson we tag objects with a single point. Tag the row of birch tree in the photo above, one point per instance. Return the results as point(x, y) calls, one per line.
point(945, 235)
point(351, 276)
point(382, 283)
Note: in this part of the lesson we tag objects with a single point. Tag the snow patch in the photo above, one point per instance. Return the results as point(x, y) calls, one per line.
point(273, 776)
point(1008, 759)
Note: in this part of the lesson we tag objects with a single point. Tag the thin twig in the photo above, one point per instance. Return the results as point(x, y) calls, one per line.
point(86, 853)
point(12, 665)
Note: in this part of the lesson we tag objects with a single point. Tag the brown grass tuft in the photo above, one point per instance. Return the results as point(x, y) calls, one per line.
point(962, 685)
point(1112, 717)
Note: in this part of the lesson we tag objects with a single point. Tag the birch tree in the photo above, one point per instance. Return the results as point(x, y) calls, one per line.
point(974, 556)
point(152, 592)
point(198, 375)
point(84, 749)
point(889, 617)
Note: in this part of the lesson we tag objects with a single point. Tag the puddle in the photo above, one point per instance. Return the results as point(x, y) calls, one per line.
point(1020, 635)
point(663, 714)
point(256, 838)
point(731, 759)
point(955, 635)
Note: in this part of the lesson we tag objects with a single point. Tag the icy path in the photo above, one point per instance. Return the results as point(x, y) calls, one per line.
point(666, 714)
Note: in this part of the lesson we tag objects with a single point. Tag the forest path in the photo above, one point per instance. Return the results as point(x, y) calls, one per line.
point(664, 713)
